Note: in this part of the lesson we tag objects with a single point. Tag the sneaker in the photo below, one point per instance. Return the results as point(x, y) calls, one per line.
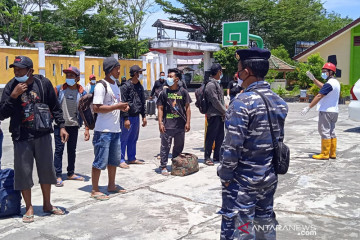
point(165, 172)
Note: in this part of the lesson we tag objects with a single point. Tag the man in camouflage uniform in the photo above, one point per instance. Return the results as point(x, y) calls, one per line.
point(246, 170)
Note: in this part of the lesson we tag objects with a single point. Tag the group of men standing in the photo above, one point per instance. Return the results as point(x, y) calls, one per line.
point(241, 131)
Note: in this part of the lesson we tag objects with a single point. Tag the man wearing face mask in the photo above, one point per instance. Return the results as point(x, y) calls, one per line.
point(133, 93)
point(158, 86)
point(233, 87)
point(174, 118)
point(215, 114)
point(327, 105)
point(107, 144)
point(91, 85)
point(68, 95)
point(246, 168)
point(18, 102)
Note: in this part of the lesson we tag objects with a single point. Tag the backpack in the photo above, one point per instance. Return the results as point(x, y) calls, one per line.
point(184, 164)
point(201, 102)
point(85, 108)
point(10, 199)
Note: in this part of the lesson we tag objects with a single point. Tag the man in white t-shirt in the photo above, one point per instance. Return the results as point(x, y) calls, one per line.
point(107, 147)
point(327, 105)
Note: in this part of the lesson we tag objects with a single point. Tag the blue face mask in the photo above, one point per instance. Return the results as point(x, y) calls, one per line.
point(240, 82)
point(221, 76)
point(162, 77)
point(70, 81)
point(170, 81)
point(324, 75)
point(93, 81)
point(23, 78)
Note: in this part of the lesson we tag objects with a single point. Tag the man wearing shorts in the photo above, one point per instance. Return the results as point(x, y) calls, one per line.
point(18, 101)
point(106, 141)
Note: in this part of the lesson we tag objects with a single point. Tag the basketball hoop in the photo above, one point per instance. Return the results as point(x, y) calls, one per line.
point(234, 43)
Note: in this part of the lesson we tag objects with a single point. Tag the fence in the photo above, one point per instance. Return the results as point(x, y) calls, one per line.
point(51, 65)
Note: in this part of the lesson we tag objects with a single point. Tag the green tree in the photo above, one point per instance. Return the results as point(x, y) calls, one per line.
point(314, 64)
point(226, 58)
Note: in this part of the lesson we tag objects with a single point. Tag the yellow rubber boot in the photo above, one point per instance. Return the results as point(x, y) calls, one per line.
point(325, 150)
point(333, 148)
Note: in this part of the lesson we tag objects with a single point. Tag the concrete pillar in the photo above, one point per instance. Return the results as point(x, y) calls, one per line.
point(115, 55)
point(157, 66)
point(40, 45)
point(207, 61)
point(81, 54)
point(163, 61)
point(170, 57)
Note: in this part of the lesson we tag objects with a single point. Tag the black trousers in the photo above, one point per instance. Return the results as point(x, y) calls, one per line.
point(166, 139)
point(215, 132)
point(71, 150)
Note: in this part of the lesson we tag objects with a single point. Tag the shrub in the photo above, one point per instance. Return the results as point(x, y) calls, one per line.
point(280, 91)
point(313, 90)
point(198, 78)
point(344, 90)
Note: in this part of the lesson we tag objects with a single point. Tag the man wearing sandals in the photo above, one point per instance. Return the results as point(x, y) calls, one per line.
point(174, 118)
point(133, 93)
point(18, 101)
point(107, 147)
point(246, 170)
point(214, 95)
point(68, 95)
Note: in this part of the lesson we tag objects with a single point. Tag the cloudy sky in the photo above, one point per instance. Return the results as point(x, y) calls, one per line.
point(348, 8)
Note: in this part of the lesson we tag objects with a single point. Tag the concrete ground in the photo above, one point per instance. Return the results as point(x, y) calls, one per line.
point(314, 200)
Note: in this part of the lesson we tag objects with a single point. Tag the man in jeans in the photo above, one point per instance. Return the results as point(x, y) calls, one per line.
point(133, 93)
point(106, 141)
point(68, 95)
point(17, 103)
point(174, 118)
point(215, 114)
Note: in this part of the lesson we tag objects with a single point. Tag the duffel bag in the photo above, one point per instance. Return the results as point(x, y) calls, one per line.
point(184, 164)
point(10, 199)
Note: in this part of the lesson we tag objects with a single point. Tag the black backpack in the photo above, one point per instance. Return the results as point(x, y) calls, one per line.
point(201, 102)
point(86, 108)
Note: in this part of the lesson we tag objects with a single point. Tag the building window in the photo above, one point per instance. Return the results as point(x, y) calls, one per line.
point(62, 68)
point(54, 70)
point(356, 41)
point(7, 62)
point(99, 71)
point(92, 69)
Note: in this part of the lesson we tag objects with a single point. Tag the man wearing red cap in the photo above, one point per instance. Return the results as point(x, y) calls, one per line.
point(91, 85)
point(68, 95)
point(327, 105)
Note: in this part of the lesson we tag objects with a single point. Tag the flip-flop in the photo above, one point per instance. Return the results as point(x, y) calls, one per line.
point(100, 197)
point(28, 218)
point(136, 162)
point(118, 190)
point(55, 211)
point(209, 162)
point(75, 177)
point(59, 183)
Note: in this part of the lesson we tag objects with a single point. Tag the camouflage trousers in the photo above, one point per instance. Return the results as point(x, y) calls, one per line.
point(248, 213)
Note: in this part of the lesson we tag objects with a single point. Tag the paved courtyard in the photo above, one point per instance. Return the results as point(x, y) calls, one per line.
point(314, 200)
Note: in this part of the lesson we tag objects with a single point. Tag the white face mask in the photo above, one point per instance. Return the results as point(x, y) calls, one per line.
point(113, 78)
point(141, 77)
point(93, 81)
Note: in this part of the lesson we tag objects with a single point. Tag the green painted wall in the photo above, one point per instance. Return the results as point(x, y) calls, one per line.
point(354, 57)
